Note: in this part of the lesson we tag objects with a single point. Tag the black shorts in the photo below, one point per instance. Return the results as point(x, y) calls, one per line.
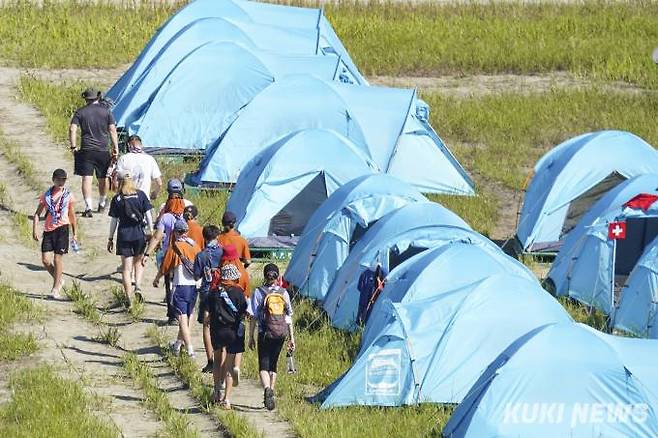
point(56, 241)
point(131, 248)
point(89, 161)
point(203, 305)
point(227, 338)
point(268, 352)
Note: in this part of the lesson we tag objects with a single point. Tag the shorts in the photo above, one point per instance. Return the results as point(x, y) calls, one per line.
point(131, 248)
point(268, 352)
point(227, 337)
point(203, 305)
point(88, 162)
point(183, 300)
point(56, 241)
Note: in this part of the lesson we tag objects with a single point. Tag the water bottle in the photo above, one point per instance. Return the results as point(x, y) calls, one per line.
point(291, 362)
point(75, 246)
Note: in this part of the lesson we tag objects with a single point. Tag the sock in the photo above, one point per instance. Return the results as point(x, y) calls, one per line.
point(190, 350)
point(88, 203)
point(101, 202)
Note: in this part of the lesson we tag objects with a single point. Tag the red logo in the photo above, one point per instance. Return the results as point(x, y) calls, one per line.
point(616, 230)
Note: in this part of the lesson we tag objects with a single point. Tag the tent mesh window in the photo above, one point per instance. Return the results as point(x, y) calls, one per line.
point(584, 202)
point(639, 233)
point(396, 258)
point(291, 219)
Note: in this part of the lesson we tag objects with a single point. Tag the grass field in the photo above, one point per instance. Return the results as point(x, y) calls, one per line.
point(596, 39)
point(15, 308)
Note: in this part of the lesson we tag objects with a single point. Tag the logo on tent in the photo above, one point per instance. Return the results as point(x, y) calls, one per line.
point(617, 230)
point(383, 372)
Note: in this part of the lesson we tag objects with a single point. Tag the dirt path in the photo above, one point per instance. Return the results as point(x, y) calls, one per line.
point(66, 335)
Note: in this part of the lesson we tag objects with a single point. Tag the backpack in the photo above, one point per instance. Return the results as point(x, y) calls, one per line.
point(230, 315)
point(132, 211)
point(274, 315)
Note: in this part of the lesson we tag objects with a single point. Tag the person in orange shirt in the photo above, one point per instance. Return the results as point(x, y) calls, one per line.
point(230, 256)
point(57, 202)
point(196, 231)
point(230, 236)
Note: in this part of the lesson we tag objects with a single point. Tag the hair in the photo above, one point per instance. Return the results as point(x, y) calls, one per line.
point(127, 186)
point(210, 232)
point(175, 206)
point(134, 137)
point(190, 212)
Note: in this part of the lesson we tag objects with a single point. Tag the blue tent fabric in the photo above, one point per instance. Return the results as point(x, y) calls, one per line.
point(148, 78)
point(570, 170)
point(280, 172)
point(434, 349)
point(389, 122)
point(303, 20)
point(194, 105)
point(638, 308)
point(329, 234)
point(557, 380)
point(405, 231)
point(448, 267)
point(584, 267)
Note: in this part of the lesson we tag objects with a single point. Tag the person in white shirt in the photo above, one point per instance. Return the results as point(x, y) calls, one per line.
point(142, 167)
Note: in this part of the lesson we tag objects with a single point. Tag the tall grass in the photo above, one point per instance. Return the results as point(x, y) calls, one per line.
point(15, 308)
point(77, 34)
point(480, 211)
point(46, 405)
point(501, 136)
point(21, 162)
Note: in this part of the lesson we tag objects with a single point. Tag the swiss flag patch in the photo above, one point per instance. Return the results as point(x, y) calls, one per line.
point(616, 230)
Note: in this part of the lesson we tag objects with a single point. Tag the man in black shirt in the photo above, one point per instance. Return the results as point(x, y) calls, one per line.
point(97, 127)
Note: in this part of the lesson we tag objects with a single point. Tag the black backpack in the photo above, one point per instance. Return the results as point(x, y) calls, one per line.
point(132, 210)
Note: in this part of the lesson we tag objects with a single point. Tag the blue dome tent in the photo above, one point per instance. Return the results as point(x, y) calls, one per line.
point(637, 313)
point(395, 238)
point(571, 177)
point(302, 20)
point(433, 349)
point(337, 225)
point(283, 185)
point(391, 123)
point(252, 37)
point(591, 266)
point(558, 380)
point(195, 105)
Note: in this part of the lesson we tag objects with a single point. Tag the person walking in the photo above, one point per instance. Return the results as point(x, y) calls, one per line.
point(231, 256)
point(227, 308)
point(179, 259)
point(130, 210)
point(58, 203)
point(175, 189)
point(97, 126)
point(230, 236)
point(142, 167)
point(206, 263)
point(271, 310)
point(196, 232)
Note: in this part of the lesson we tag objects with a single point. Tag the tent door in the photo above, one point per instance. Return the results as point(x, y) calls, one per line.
point(581, 205)
point(639, 233)
point(396, 258)
point(358, 233)
point(292, 218)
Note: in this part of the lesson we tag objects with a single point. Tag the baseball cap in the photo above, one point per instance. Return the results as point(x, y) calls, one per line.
point(123, 174)
point(229, 218)
point(174, 186)
point(91, 93)
point(59, 173)
point(181, 226)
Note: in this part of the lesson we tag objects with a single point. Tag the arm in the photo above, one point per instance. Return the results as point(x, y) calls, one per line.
point(246, 254)
point(113, 228)
point(291, 333)
point(73, 220)
point(73, 136)
point(157, 186)
point(149, 220)
point(155, 240)
point(252, 329)
point(115, 140)
point(35, 222)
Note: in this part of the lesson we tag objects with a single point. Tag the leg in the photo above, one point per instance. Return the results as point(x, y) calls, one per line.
point(184, 331)
point(86, 191)
point(229, 362)
point(272, 379)
point(217, 373)
point(138, 269)
point(48, 264)
point(207, 340)
point(59, 269)
point(102, 187)
point(126, 270)
point(265, 378)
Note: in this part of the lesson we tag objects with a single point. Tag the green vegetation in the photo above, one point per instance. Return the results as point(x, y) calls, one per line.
point(15, 308)
point(599, 39)
point(46, 405)
point(75, 34)
point(83, 304)
point(187, 370)
point(501, 136)
point(23, 228)
point(109, 335)
point(20, 161)
point(480, 211)
point(586, 315)
point(156, 399)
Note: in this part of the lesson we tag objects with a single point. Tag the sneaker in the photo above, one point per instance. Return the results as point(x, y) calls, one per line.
point(175, 347)
point(269, 399)
point(172, 321)
point(235, 373)
point(101, 209)
point(87, 213)
point(55, 295)
point(225, 404)
point(138, 296)
point(208, 368)
point(190, 353)
point(217, 395)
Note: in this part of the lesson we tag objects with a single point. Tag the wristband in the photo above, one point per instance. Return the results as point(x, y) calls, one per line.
point(146, 254)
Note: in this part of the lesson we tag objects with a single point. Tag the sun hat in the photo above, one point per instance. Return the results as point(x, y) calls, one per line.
point(181, 226)
point(230, 272)
point(230, 253)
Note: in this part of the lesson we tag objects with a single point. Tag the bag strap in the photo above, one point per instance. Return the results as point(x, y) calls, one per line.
point(186, 262)
point(228, 301)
